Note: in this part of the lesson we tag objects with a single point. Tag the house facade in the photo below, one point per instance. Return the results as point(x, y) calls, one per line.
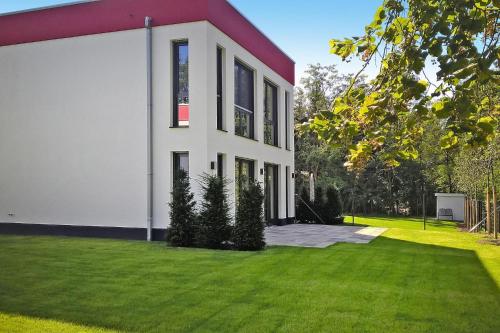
point(102, 101)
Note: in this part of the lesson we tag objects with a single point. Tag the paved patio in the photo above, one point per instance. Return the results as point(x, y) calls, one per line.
point(321, 236)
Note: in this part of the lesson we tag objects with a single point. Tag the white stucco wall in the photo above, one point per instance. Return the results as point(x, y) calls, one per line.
point(73, 126)
point(202, 139)
point(234, 146)
point(73, 131)
point(454, 201)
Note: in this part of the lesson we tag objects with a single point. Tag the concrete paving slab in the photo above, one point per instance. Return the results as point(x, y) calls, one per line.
point(319, 236)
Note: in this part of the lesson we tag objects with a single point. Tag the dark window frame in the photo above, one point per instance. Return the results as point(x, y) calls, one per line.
point(220, 88)
point(275, 185)
point(287, 120)
point(251, 170)
point(287, 192)
point(241, 110)
point(220, 165)
point(274, 123)
point(176, 162)
point(175, 85)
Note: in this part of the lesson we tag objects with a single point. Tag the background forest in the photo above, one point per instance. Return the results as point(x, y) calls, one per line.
point(378, 188)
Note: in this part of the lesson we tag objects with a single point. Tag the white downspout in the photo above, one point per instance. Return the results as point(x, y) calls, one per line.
point(149, 51)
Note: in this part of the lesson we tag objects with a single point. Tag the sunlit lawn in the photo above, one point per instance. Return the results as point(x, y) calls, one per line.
point(408, 280)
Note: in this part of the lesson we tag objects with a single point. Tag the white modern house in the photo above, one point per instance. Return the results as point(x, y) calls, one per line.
point(102, 101)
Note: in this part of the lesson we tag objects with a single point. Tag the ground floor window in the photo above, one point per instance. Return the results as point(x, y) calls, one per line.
point(220, 165)
point(181, 162)
point(244, 173)
point(271, 193)
point(287, 192)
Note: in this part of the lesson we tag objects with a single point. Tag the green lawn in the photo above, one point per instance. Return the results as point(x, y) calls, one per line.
point(408, 280)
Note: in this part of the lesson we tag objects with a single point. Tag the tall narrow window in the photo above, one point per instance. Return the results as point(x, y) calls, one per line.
point(270, 114)
point(220, 92)
point(220, 165)
point(181, 162)
point(243, 100)
point(287, 192)
point(271, 193)
point(287, 120)
point(181, 84)
point(244, 173)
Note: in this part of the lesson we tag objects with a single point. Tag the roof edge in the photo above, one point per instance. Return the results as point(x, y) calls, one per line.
point(35, 9)
point(258, 29)
point(90, 17)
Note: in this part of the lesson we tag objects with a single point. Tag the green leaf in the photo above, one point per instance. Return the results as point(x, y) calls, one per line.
point(436, 49)
point(449, 140)
point(441, 109)
point(380, 14)
point(487, 124)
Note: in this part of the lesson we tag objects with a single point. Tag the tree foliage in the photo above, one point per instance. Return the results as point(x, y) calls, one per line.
point(460, 38)
point(326, 208)
point(320, 85)
point(182, 215)
point(333, 208)
point(377, 188)
point(214, 229)
point(475, 169)
point(248, 232)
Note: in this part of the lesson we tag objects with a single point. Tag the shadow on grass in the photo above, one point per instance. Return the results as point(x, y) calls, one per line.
point(386, 285)
point(401, 222)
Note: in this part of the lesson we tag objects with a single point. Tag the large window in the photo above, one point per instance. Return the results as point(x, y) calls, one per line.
point(270, 114)
point(244, 173)
point(181, 162)
point(243, 100)
point(220, 89)
point(181, 84)
point(287, 120)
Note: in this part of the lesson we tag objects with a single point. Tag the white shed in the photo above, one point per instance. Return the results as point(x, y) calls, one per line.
point(450, 206)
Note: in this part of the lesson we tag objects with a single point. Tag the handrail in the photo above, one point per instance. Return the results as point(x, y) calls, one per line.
point(477, 225)
point(312, 210)
point(481, 222)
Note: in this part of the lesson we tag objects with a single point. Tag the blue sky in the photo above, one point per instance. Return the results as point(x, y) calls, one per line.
point(302, 28)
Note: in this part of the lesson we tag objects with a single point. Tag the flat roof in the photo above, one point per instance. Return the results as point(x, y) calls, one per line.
point(449, 194)
point(89, 17)
point(34, 9)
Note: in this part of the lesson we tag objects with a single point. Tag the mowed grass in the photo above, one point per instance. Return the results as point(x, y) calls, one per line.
point(408, 280)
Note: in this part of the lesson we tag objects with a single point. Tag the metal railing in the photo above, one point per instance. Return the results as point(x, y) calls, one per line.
point(483, 221)
point(312, 210)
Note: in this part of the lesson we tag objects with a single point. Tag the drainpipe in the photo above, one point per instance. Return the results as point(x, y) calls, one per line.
point(149, 51)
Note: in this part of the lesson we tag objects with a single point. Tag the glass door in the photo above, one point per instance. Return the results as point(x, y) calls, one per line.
point(271, 193)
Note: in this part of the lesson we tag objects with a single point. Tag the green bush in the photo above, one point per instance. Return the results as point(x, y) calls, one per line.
point(328, 207)
point(319, 206)
point(213, 228)
point(301, 211)
point(333, 207)
point(182, 215)
point(248, 232)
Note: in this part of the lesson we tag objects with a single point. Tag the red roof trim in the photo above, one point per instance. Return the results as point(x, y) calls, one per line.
point(104, 16)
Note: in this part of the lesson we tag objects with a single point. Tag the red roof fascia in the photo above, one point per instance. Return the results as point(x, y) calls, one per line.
point(104, 16)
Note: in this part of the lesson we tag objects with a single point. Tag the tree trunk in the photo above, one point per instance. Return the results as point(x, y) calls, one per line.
point(448, 173)
point(469, 216)
point(468, 212)
point(474, 208)
point(488, 217)
point(465, 212)
point(495, 213)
